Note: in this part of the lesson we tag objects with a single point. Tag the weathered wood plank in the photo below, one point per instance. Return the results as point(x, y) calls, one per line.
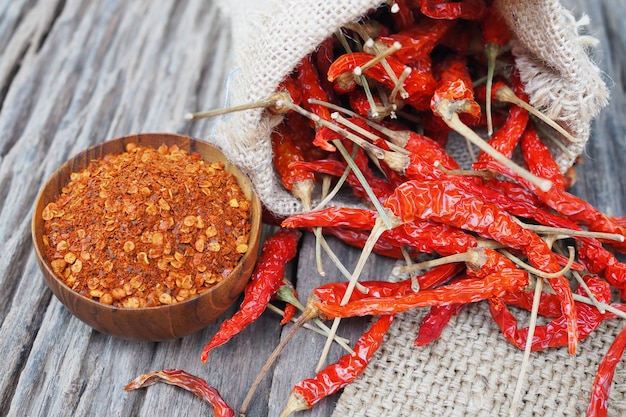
point(74, 73)
point(95, 71)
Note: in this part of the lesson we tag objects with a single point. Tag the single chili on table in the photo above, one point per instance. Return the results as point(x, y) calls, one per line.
point(186, 381)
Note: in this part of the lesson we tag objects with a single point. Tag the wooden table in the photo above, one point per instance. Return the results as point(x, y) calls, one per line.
point(74, 73)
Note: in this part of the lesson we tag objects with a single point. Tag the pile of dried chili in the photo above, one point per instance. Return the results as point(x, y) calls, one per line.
point(147, 227)
point(371, 111)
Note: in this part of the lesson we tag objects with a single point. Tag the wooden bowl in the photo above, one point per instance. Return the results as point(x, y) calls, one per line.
point(151, 323)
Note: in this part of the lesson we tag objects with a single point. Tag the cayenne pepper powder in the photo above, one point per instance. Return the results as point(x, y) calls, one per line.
point(147, 227)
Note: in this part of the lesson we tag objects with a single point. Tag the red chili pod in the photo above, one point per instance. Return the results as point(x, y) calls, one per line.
point(186, 381)
point(598, 405)
point(464, 9)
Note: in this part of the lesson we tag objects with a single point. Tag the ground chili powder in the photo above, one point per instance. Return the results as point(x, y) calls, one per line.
point(147, 227)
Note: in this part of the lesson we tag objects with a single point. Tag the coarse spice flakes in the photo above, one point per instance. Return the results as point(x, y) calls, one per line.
point(147, 227)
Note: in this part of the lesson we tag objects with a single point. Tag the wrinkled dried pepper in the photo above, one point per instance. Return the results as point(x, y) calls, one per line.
point(331, 379)
point(186, 381)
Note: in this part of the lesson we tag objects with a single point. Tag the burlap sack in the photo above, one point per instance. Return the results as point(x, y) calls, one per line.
point(270, 37)
point(471, 370)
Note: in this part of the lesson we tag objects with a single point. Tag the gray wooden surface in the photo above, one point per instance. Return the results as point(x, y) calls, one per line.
point(77, 72)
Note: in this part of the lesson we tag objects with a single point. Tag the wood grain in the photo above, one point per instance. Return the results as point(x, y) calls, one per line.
point(74, 73)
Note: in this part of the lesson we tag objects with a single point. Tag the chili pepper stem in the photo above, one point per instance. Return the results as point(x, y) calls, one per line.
point(303, 190)
point(492, 50)
point(536, 271)
point(527, 348)
point(398, 138)
point(405, 73)
point(376, 151)
point(606, 307)
point(448, 111)
point(591, 296)
point(474, 257)
point(370, 98)
point(340, 119)
point(275, 103)
point(308, 313)
point(507, 95)
point(377, 230)
point(484, 174)
point(571, 232)
point(320, 328)
point(415, 284)
point(337, 262)
point(295, 403)
point(378, 58)
point(370, 46)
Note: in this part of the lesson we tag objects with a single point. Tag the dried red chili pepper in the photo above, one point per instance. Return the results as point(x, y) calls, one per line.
point(292, 86)
point(439, 316)
point(506, 138)
point(331, 379)
point(554, 334)
point(303, 136)
point(425, 153)
point(455, 85)
point(267, 278)
point(186, 381)
point(332, 293)
point(312, 89)
point(600, 261)
point(465, 291)
point(494, 28)
point(419, 84)
point(550, 305)
point(445, 202)
point(422, 236)
point(598, 405)
point(442, 9)
point(570, 206)
point(357, 238)
point(379, 186)
point(285, 151)
point(354, 218)
point(539, 159)
point(435, 321)
point(322, 58)
point(619, 220)
point(417, 41)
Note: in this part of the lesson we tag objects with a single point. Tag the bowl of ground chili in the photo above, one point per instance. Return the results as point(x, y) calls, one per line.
point(147, 237)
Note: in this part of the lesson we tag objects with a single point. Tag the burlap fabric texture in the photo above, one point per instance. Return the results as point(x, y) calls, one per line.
point(471, 370)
